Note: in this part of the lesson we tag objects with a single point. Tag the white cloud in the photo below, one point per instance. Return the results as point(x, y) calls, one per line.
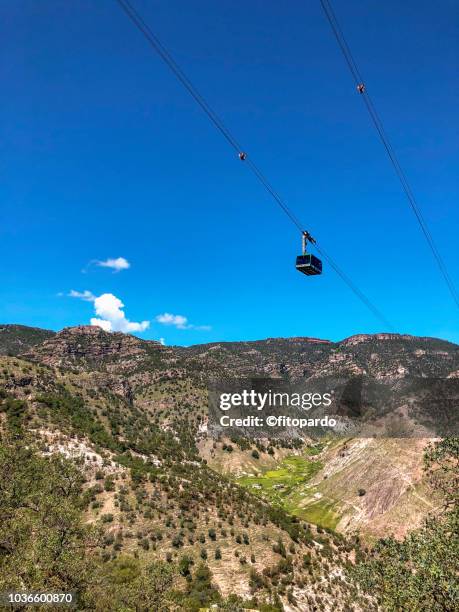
point(179, 321)
point(105, 325)
point(85, 295)
point(118, 264)
point(111, 316)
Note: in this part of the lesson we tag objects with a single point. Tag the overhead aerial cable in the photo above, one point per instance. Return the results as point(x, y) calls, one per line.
point(154, 41)
point(362, 89)
point(157, 45)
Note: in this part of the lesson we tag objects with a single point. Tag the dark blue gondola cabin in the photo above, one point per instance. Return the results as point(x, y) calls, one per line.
point(308, 264)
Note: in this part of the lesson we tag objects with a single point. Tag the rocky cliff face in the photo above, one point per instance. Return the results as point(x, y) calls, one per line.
point(381, 355)
point(88, 346)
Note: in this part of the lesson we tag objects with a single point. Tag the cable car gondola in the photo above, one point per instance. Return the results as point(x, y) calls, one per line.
point(307, 263)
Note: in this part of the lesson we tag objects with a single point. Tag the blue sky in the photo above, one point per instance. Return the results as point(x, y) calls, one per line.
point(104, 155)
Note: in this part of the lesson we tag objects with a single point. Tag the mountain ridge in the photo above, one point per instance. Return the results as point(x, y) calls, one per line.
point(132, 413)
point(92, 330)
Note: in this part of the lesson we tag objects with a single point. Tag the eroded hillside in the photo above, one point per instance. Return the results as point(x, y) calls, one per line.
point(266, 517)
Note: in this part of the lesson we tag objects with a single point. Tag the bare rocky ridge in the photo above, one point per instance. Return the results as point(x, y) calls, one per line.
point(87, 345)
point(379, 355)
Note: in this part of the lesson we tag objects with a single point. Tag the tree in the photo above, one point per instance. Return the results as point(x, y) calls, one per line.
point(124, 585)
point(441, 461)
point(184, 565)
point(201, 593)
point(420, 573)
point(42, 537)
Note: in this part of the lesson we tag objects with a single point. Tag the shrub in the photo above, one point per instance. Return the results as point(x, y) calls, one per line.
point(144, 543)
point(177, 541)
point(184, 565)
point(109, 484)
point(212, 534)
point(107, 518)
